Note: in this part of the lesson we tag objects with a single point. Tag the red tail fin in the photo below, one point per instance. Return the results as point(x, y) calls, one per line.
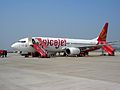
point(103, 34)
point(102, 40)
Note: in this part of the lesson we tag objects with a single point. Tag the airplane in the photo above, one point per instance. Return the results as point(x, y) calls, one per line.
point(47, 46)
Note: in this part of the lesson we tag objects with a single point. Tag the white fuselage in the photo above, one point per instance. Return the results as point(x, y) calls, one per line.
point(53, 44)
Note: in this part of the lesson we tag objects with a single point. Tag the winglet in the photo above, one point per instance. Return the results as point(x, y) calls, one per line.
point(102, 36)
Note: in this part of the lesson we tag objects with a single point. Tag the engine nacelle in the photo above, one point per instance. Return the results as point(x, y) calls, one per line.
point(72, 51)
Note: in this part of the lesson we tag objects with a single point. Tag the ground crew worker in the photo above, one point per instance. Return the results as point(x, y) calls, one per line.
point(5, 53)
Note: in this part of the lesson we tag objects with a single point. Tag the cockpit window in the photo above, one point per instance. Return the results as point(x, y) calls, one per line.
point(22, 41)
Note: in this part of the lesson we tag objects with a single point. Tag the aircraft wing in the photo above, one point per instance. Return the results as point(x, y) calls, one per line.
point(85, 46)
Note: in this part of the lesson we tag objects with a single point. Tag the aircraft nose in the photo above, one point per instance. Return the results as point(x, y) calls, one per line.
point(14, 46)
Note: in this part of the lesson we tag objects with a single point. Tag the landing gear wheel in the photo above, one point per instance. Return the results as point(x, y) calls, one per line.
point(26, 56)
point(82, 54)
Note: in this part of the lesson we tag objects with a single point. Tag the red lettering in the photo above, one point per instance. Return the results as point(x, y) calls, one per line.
point(59, 42)
point(63, 42)
point(56, 43)
point(51, 43)
point(45, 41)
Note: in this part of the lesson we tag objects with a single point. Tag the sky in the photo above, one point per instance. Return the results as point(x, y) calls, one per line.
point(57, 18)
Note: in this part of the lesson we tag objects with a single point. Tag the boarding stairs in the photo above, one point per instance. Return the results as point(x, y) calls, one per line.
point(40, 46)
point(108, 48)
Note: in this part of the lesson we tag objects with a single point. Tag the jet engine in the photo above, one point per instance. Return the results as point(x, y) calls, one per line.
point(72, 51)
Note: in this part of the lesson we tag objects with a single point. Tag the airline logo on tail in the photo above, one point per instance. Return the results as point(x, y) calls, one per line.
point(103, 34)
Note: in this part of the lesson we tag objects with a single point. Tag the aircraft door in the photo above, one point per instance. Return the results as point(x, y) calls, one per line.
point(30, 41)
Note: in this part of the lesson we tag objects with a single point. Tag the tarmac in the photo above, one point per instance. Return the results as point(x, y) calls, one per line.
point(93, 72)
